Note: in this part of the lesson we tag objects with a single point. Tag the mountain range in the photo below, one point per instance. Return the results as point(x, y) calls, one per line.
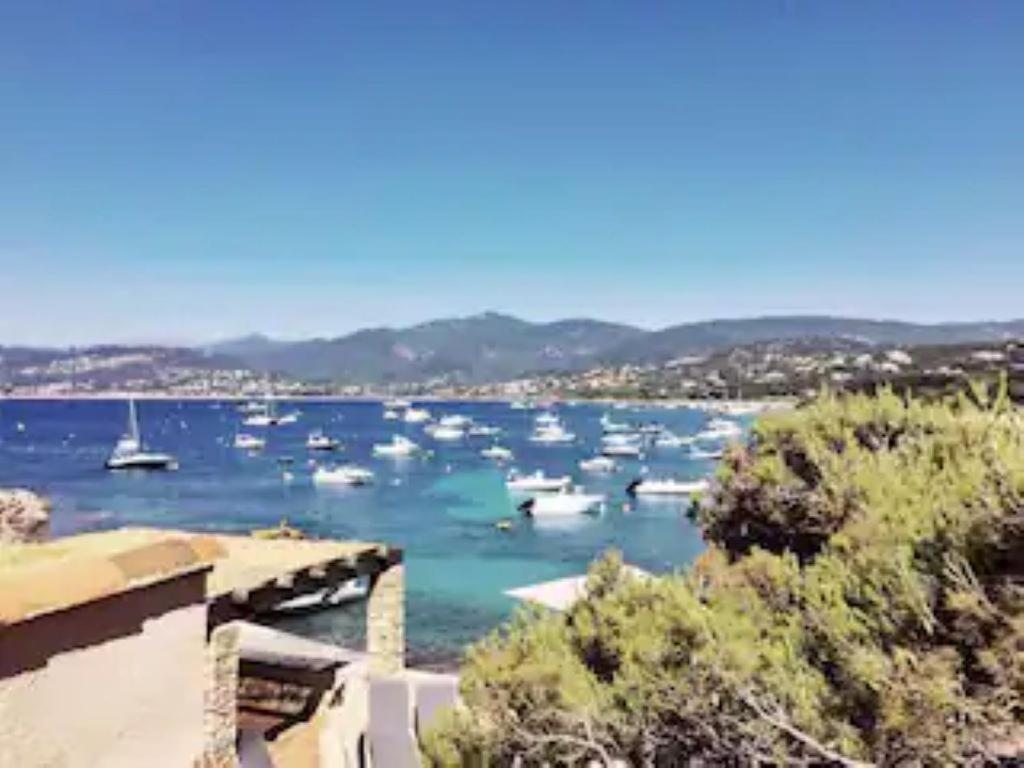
point(494, 347)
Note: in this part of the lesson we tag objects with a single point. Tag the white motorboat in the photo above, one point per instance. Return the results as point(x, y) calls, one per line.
point(249, 442)
point(711, 454)
point(497, 452)
point(666, 487)
point(397, 404)
point(251, 407)
point(318, 441)
point(565, 502)
point(720, 429)
point(671, 440)
point(346, 592)
point(417, 415)
point(599, 464)
point(521, 405)
point(129, 452)
point(288, 418)
point(445, 434)
point(265, 415)
point(553, 434)
point(399, 447)
point(538, 481)
point(623, 450)
point(347, 474)
point(627, 445)
point(484, 430)
point(392, 415)
point(261, 419)
point(455, 421)
point(547, 419)
point(614, 427)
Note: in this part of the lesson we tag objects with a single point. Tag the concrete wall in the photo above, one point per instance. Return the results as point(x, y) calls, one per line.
point(132, 698)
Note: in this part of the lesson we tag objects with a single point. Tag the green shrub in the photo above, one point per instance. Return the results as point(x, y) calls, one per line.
point(861, 600)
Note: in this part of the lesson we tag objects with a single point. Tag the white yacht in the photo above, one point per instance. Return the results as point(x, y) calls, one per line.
point(455, 421)
point(484, 430)
point(417, 415)
point(614, 427)
point(446, 434)
point(391, 414)
point(399, 447)
point(249, 442)
point(346, 592)
point(626, 445)
point(397, 404)
point(497, 453)
point(667, 487)
point(129, 453)
point(266, 415)
point(547, 419)
point(538, 481)
point(318, 441)
point(521, 405)
point(669, 439)
point(347, 474)
point(552, 434)
point(720, 429)
point(565, 502)
point(599, 464)
point(710, 454)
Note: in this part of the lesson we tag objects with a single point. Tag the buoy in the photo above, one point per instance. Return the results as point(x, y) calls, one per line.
point(503, 525)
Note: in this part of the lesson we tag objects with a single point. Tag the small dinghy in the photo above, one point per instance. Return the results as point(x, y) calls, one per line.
point(538, 481)
point(666, 487)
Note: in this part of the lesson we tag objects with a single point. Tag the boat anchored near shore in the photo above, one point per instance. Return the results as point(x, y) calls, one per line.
point(129, 452)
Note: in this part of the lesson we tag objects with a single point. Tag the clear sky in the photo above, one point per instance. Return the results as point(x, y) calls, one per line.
point(184, 171)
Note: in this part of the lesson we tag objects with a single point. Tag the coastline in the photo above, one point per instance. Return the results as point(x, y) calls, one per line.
point(733, 407)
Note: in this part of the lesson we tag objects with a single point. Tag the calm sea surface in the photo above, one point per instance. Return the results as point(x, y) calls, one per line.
point(441, 508)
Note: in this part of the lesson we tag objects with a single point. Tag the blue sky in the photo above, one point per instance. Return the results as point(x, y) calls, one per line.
point(184, 171)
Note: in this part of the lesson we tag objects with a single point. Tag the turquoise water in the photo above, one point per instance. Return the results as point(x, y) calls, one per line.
point(440, 508)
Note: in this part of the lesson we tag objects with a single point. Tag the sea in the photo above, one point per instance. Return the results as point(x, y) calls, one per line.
point(441, 507)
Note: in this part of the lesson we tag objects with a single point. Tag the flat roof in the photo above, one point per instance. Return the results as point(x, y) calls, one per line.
point(57, 574)
point(563, 594)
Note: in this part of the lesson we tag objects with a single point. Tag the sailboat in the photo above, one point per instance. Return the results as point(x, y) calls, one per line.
point(129, 453)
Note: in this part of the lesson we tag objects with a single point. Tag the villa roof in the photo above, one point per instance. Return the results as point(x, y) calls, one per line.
point(59, 574)
point(37, 579)
point(563, 594)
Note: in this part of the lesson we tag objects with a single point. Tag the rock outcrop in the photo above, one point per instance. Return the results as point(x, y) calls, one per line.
point(24, 516)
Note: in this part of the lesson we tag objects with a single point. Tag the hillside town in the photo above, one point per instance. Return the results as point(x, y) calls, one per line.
point(769, 369)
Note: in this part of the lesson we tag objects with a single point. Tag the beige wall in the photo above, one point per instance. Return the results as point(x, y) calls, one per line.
point(132, 701)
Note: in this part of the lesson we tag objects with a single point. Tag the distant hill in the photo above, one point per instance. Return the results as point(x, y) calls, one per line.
point(492, 346)
point(483, 347)
point(713, 335)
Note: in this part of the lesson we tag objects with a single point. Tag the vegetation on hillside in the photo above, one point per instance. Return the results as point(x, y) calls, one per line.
point(860, 601)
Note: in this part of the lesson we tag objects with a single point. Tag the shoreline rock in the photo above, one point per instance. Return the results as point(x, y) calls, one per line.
point(24, 517)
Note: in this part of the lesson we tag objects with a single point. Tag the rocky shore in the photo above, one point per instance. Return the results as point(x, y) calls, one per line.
point(24, 516)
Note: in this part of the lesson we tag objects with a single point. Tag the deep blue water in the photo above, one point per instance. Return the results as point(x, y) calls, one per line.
point(441, 509)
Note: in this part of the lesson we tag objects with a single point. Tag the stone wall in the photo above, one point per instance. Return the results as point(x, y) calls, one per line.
point(24, 517)
point(136, 700)
point(385, 621)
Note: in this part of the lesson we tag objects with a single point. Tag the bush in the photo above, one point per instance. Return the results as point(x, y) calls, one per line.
point(860, 600)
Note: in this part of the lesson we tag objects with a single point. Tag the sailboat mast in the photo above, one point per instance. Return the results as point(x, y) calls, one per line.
point(133, 421)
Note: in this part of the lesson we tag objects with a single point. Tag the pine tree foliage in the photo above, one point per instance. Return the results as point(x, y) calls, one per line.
point(861, 601)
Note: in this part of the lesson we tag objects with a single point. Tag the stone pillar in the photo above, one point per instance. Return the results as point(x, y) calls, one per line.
point(221, 701)
point(385, 621)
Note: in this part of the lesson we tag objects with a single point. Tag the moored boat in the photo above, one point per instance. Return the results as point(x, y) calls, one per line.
point(566, 502)
point(666, 487)
point(319, 441)
point(400, 446)
point(347, 474)
point(538, 481)
point(248, 442)
point(598, 464)
point(129, 452)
